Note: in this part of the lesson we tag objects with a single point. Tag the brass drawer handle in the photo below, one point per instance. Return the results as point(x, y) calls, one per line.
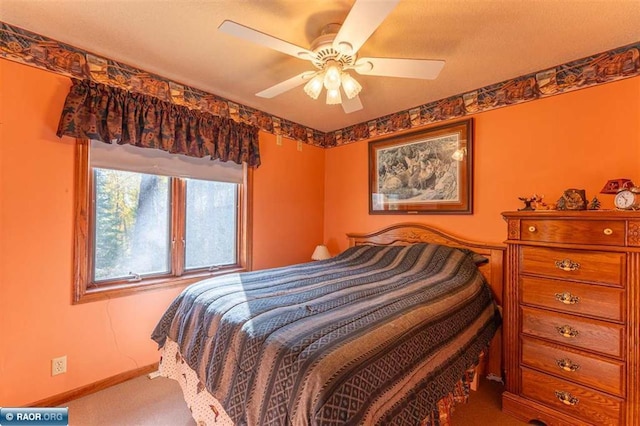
point(566, 398)
point(532, 228)
point(567, 365)
point(567, 331)
point(567, 298)
point(567, 265)
point(608, 231)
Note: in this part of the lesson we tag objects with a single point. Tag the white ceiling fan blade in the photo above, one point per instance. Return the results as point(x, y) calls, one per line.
point(351, 105)
point(427, 69)
point(255, 36)
point(363, 19)
point(286, 85)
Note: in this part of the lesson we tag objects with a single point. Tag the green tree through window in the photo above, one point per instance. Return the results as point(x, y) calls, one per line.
point(132, 224)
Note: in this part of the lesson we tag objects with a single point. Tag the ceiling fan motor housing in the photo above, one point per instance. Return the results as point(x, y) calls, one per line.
point(324, 50)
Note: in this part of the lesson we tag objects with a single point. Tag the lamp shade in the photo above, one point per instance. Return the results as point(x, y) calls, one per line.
point(320, 253)
point(614, 185)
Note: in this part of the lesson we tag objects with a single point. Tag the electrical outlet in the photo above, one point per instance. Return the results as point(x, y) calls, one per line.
point(299, 146)
point(59, 365)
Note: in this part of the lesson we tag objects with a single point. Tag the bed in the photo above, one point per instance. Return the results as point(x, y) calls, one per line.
point(390, 331)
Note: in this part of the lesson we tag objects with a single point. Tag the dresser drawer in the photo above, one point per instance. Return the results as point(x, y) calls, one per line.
point(591, 335)
point(602, 374)
point(571, 297)
point(589, 405)
point(592, 266)
point(598, 232)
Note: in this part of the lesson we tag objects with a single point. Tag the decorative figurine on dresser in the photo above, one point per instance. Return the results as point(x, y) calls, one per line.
point(572, 317)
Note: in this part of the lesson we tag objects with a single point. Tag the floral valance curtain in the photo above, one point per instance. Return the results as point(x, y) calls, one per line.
point(109, 114)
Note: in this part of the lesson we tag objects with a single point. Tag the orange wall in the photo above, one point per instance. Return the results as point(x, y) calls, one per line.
point(289, 203)
point(575, 140)
point(101, 339)
point(579, 139)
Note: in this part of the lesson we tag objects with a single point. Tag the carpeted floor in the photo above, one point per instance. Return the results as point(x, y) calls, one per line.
point(158, 402)
point(484, 408)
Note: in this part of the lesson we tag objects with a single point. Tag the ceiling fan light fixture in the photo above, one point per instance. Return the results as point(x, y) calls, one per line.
point(314, 86)
point(335, 52)
point(332, 76)
point(333, 97)
point(350, 85)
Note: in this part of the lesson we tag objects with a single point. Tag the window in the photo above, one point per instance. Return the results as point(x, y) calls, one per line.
point(210, 224)
point(143, 222)
point(131, 231)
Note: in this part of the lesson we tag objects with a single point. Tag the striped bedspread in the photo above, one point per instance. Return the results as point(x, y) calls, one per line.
point(375, 335)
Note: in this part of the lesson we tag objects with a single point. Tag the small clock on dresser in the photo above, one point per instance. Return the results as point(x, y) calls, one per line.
point(628, 199)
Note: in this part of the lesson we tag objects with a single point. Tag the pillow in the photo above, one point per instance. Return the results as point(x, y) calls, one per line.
point(479, 259)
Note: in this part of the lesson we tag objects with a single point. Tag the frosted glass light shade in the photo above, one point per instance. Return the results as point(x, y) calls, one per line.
point(350, 86)
point(333, 97)
point(332, 78)
point(320, 253)
point(314, 86)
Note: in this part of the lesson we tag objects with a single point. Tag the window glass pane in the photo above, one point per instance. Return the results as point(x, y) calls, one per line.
point(132, 224)
point(210, 223)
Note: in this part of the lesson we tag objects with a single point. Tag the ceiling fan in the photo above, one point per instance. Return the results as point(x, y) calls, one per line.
point(334, 53)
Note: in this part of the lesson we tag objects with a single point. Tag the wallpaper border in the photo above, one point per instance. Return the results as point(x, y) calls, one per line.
point(32, 49)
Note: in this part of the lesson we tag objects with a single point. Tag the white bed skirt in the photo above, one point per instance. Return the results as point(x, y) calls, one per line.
point(205, 409)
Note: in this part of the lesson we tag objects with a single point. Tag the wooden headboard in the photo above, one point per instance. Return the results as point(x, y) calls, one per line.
point(493, 271)
point(410, 233)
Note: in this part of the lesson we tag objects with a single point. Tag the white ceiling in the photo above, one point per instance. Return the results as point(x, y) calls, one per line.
point(482, 41)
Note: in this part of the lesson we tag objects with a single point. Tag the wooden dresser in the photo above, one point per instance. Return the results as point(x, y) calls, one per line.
point(572, 317)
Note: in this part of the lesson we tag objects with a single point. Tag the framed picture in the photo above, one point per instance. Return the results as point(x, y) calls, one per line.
point(424, 172)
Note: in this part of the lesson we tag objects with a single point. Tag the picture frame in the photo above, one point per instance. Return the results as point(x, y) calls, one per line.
point(429, 171)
